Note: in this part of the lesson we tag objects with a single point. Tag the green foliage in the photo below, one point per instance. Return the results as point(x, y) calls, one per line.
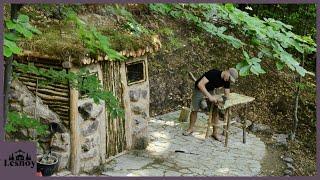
point(18, 121)
point(92, 39)
point(298, 16)
point(20, 28)
point(272, 37)
point(130, 24)
point(166, 31)
point(249, 64)
point(93, 88)
point(90, 84)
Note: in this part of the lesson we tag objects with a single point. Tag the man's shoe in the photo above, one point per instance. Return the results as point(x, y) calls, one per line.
point(186, 133)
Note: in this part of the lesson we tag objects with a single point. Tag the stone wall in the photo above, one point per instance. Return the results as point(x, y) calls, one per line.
point(90, 117)
point(92, 129)
point(21, 99)
point(61, 147)
point(137, 98)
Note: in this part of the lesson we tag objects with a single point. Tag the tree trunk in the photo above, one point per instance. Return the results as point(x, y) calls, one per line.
point(297, 94)
point(296, 106)
point(296, 103)
point(8, 67)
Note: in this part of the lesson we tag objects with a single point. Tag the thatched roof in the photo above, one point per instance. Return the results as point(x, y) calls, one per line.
point(59, 41)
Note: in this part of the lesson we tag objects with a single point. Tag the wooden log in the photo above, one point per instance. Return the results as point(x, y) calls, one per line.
point(33, 78)
point(65, 119)
point(37, 57)
point(106, 57)
point(49, 92)
point(209, 121)
point(127, 54)
point(62, 113)
point(227, 116)
point(156, 47)
point(75, 130)
point(55, 103)
point(184, 114)
point(43, 65)
point(100, 58)
point(244, 125)
point(58, 98)
point(61, 109)
point(84, 60)
point(62, 91)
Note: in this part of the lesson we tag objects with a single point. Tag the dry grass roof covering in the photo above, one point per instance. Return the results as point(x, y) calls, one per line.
point(60, 41)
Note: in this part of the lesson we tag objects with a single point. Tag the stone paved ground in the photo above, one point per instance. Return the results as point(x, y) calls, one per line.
point(210, 157)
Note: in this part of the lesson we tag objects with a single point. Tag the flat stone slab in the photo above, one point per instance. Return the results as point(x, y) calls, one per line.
point(197, 156)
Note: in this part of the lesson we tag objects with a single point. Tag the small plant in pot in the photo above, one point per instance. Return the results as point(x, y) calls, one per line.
point(47, 164)
point(17, 122)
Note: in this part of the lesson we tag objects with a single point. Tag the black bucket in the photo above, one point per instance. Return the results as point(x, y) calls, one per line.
point(47, 169)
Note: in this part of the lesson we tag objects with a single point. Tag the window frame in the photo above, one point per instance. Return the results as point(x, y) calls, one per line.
point(143, 68)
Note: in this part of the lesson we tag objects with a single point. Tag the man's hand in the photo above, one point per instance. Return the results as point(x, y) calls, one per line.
point(213, 99)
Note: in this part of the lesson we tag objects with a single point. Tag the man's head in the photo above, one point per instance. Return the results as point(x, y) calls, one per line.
point(230, 75)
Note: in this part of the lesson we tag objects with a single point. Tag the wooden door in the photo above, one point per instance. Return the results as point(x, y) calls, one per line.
point(115, 128)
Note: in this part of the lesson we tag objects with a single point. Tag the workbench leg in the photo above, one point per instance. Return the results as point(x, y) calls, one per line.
point(227, 118)
point(209, 121)
point(244, 125)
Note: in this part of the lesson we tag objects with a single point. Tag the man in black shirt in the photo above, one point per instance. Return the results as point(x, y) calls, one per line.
point(208, 82)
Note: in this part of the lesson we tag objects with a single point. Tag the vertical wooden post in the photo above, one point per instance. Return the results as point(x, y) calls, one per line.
point(209, 120)
point(126, 106)
point(244, 124)
point(75, 130)
point(102, 129)
point(227, 118)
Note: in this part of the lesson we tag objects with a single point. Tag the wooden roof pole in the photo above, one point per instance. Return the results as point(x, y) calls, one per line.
point(75, 130)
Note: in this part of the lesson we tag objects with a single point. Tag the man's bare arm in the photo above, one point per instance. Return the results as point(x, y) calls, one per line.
point(202, 86)
point(227, 93)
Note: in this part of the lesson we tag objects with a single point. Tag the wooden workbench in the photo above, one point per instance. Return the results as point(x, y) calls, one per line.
point(234, 99)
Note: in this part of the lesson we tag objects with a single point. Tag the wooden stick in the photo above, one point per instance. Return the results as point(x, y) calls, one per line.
point(35, 108)
point(192, 76)
point(209, 120)
point(227, 118)
point(48, 92)
point(244, 124)
point(43, 96)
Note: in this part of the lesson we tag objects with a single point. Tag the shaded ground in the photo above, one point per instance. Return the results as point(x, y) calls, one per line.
point(213, 160)
point(208, 158)
point(258, 157)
